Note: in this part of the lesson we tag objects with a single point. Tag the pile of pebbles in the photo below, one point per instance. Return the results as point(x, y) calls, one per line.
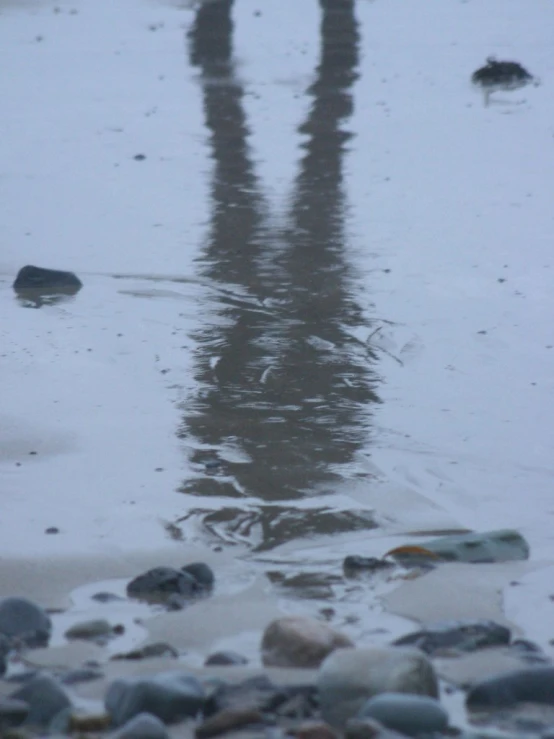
point(314, 682)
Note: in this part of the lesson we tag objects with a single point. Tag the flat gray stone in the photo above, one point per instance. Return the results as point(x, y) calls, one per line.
point(22, 619)
point(408, 714)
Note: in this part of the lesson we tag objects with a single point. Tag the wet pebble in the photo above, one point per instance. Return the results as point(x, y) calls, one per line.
point(157, 649)
point(142, 726)
point(535, 684)
point(226, 657)
point(314, 730)
point(22, 619)
point(32, 278)
point(465, 636)
point(13, 712)
point(94, 630)
point(80, 675)
point(298, 641)
point(171, 696)
point(348, 677)
point(366, 728)
point(45, 697)
point(159, 583)
point(202, 573)
point(407, 714)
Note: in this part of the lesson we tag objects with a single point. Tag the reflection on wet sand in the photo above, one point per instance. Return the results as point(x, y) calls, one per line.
point(285, 393)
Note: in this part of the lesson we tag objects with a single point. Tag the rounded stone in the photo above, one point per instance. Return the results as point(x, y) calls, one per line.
point(298, 641)
point(143, 726)
point(22, 619)
point(202, 573)
point(408, 714)
point(349, 677)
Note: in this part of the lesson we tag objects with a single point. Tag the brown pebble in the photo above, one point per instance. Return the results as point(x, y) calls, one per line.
point(314, 730)
point(230, 718)
point(92, 722)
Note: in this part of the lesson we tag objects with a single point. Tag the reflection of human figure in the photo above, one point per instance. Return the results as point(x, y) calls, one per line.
point(289, 388)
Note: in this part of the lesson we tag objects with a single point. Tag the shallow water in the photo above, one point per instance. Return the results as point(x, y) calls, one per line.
point(316, 312)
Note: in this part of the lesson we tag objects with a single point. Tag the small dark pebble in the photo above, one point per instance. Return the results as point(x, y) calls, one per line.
point(225, 658)
point(202, 573)
point(355, 563)
point(80, 675)
point(139, 157)
point(157, 649)
point(52, 530)
point(103, 597)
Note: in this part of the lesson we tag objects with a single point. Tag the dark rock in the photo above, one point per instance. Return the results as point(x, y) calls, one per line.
point(508, 75)
point(354, 564)
point(202, 573)
point(465, 636)
point(24, 620)
point(97, 629)
point(33, 278)
point(158, 584)
point(534, 685)
point(45, 697)
point(105, 597)
point(142, 726)
point(171, 696)
point(226, 657)
point(227, 720)
point(529, 651)
point(158, 649)
point(12, 713)
point(407, 714)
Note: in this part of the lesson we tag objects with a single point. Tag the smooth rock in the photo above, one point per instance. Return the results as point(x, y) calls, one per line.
point(465, 636)
point(33, 278)
point(534, 685)
point(202, 573)
point(225, 657)
point(405, 713)
point(22, 619)
point(298, 641)
point(227, 720)
point(160, 583)
point(80, 675)
point(13, 712)
point(171, 696)
point(348, 677)
point(45, 697)
point(367, 728)
point(94, 629)
point(142, 726)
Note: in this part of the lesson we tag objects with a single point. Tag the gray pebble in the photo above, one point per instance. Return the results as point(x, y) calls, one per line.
point(45, 697)
point(408, 714)
point(142, 726)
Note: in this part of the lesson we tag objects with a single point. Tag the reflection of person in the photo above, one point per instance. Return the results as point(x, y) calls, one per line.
point(283, 382)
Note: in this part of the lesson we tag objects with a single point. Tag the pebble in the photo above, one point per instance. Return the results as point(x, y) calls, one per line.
point(45, 697)
point(202, 573)
point(227, 720)
point(226, 657)
point(25, 620)
point(90, 630)
point(299, 641)
point(465, 636)
point(171, 696)
point(160, 583)
point(157, 649)
point(13, 712)
point(348, 677)
point(142, 726)
point(535, 684)
point(405, 713)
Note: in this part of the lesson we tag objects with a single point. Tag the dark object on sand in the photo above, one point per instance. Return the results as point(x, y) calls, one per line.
point(39, 285)
point(463, 636)
point(533, 685)
point(496, 75)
